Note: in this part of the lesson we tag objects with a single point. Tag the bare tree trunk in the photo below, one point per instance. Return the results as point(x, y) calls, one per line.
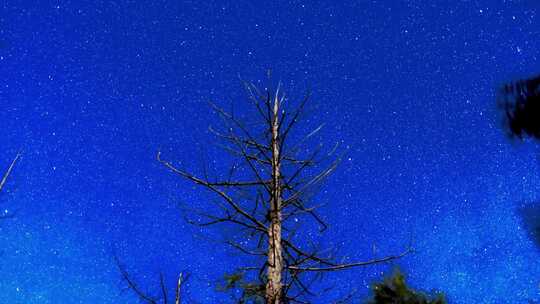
point(274, 285)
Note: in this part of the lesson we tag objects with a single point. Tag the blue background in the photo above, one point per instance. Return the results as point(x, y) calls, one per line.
point(90, 90)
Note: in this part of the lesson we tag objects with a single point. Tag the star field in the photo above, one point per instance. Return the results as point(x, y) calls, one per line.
point(91, 90)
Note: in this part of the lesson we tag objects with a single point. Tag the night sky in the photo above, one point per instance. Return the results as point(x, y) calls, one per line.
point(91, 90)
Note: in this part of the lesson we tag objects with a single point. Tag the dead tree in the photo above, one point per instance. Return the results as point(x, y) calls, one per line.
point(267, 191)
point(142, 295)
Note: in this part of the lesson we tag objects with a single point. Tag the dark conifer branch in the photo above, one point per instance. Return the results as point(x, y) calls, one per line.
point(521, 103)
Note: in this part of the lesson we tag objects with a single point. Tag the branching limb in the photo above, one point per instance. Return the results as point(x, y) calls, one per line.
point(8, 172)
point(163, 289)
point(214, 189)
point(351, 265)
point(132, 285)
point(244, 250)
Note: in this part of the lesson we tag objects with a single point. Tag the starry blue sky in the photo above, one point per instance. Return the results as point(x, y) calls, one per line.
point(90, 90)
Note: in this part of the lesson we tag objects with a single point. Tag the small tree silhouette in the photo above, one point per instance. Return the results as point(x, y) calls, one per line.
point(394, 290)
point(521, 103)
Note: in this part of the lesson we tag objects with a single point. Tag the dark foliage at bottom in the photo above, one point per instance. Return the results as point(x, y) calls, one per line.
point(394, 290)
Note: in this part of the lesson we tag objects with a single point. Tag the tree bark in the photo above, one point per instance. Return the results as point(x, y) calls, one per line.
point(274, 286)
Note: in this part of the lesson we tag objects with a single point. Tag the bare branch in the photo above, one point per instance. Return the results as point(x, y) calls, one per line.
point(132, 285)
point(178, 299)
point(294, 120)
point(244, 250)
point(222, 194)
point(351, 265)
point(163, 288)
point(8, 172)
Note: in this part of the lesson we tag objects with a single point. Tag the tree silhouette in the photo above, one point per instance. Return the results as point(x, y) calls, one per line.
point(521, 103)
point(394, 290)
point(144, 296)
point(267, 194)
